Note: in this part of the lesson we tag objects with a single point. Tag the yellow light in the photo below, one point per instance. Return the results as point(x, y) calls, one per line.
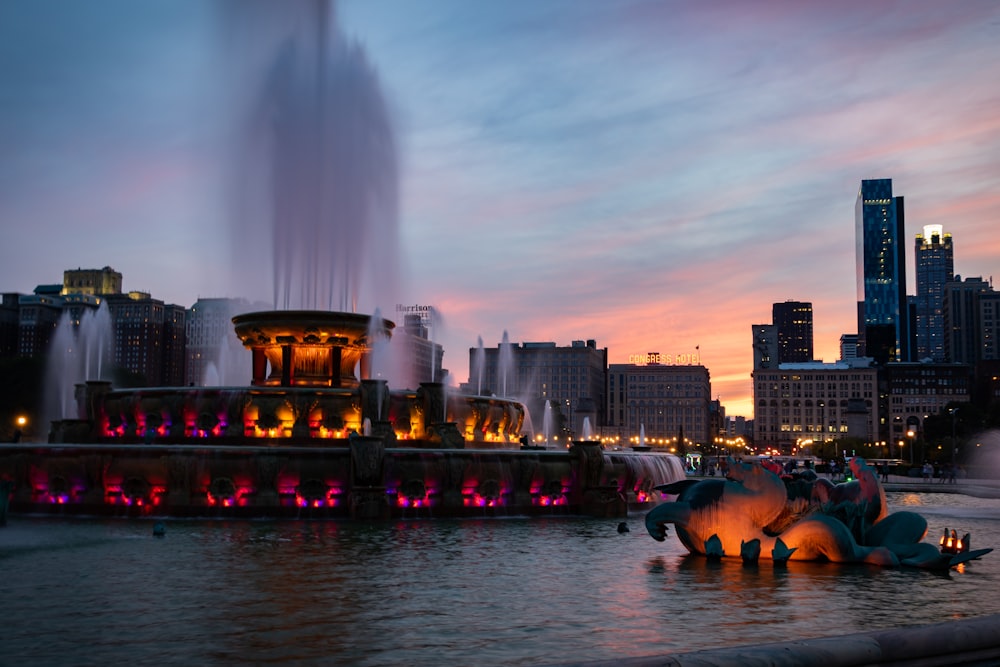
point(22, 420)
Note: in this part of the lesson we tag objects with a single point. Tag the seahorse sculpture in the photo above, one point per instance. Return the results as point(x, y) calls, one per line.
point(843, 523)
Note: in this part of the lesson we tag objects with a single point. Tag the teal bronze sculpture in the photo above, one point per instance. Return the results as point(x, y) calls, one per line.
point(754, 514)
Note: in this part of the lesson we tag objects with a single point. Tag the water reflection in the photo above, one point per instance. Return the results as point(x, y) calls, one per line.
point(507, 591)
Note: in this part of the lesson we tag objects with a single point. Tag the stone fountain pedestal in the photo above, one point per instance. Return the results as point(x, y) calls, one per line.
point(368, 498)
point(595, 497)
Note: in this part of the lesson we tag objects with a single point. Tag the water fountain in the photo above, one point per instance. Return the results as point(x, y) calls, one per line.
point(480, 361)
point(320, 431)
point(547, 424)
point(641, 445)
point(80, 350)
point(505, 363)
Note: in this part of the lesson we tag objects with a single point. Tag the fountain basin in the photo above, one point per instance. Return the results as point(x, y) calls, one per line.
point(309, 437)
point(359, 479)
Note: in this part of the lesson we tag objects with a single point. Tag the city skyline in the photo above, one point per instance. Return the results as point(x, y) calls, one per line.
point(647, 175)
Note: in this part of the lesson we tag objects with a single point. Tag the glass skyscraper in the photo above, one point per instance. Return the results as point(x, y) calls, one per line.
point(883, 313)
point(935, 262)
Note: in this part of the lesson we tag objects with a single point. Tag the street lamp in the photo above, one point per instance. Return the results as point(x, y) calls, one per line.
point(909, 434)
point(21, 421)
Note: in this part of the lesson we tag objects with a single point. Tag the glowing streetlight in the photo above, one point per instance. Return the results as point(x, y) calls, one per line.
point(20, 421)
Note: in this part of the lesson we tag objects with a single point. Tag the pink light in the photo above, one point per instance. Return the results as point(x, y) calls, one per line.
point(403, 501)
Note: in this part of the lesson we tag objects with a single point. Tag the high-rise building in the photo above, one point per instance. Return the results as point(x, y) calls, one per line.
point(149, 338)
point(214, 354)
point(916, 391)
point(669, 403)
point(798, 405)
point(962, 326)
point(571, 379)
point(935, 264)
point(9, 316)
point(38, 317)
point(765, 346)
point(883, 318)
point(989, 326)
point(848, 346)
point(424, 356)
point(95, 282)
point(794, 323)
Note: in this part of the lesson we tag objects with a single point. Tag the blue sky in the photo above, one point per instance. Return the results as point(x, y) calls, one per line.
point(652, 175)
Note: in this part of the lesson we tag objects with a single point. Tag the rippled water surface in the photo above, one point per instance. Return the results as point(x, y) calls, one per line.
point(498, 591)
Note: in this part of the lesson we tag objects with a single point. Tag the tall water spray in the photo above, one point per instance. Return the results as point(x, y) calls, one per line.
point(317, 155)
point(79, 351)
point(480, 365)
point(435, 326)
point(505, 364)
point(378, 346)
point(547, 423)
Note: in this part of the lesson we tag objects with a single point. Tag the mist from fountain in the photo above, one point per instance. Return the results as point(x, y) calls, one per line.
point(642, 435)
point(547, 423)
point(94, 338)
point(378, 347)
point(588, 431)
point(229, 365)
point(77, 353)
point(435, 326)
point(505, 364)
point(315, 164)
point(211, 377)
point(480, 365)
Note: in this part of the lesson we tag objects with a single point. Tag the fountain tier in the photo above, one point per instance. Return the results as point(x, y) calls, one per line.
point(308, 435)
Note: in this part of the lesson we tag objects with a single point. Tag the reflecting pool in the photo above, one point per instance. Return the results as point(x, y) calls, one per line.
point(429, 592)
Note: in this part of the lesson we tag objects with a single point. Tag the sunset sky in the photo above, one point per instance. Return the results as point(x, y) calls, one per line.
point(649, 174)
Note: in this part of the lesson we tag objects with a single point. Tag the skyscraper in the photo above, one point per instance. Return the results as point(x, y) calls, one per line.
point(765, 346)
point(962, 326)
point(883, 318)
point(794, 322)
point(935, 262)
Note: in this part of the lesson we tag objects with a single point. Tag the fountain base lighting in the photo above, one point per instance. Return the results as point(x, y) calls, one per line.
point(309, 438)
